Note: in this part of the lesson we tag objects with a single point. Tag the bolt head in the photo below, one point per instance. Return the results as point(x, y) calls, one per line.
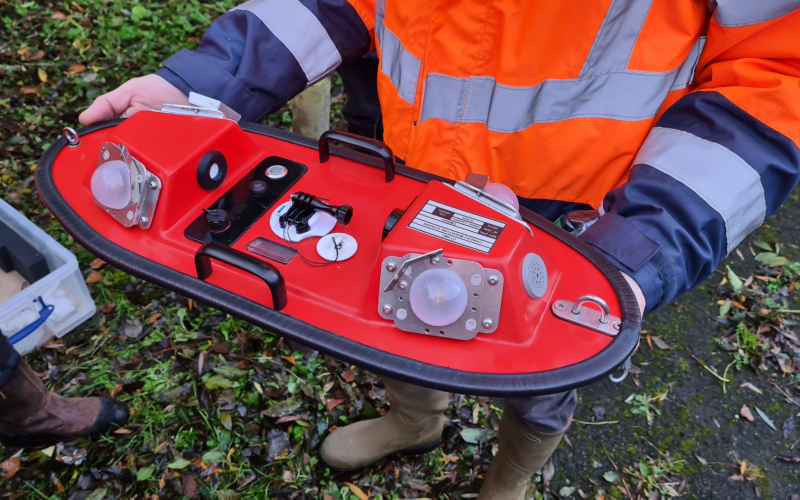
point(402, 285)
point(487, 323)
point(144, 220)
point(387, 309)
point(435, 261)
point(390, 266)
point(493, 280)
point(153, 184)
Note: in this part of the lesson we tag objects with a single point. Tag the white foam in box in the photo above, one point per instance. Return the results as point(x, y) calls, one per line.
point(63, 288)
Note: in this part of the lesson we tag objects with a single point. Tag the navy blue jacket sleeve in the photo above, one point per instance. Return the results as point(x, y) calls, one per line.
point(707, 175)
point(261, 54)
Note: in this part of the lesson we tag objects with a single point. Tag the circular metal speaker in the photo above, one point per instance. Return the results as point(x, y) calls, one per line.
point(211, 170)
point(534, 276)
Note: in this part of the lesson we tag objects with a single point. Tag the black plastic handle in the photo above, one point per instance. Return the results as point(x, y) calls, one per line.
point(240, 260)
point(376, 147)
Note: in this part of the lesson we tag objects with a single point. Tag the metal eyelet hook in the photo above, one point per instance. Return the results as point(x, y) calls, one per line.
point(626, 367)
point(604, 312)
point(73, 139)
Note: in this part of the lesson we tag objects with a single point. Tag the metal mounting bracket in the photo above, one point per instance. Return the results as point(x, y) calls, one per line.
point(598, 320)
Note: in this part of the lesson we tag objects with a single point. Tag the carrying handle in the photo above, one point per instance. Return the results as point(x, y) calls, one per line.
point(44, 313)
point(240, 260)
point(377, 148)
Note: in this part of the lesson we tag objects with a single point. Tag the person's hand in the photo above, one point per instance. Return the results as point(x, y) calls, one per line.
point(147, 92)
point(637, 291)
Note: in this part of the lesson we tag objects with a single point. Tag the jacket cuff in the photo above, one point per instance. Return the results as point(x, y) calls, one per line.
point(632, 252)
point(176, 81)
point(189, 70)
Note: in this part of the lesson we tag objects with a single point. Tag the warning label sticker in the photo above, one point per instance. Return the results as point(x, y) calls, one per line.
point(457, 226)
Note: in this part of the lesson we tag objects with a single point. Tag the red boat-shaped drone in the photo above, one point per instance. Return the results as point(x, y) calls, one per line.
point(445, 284)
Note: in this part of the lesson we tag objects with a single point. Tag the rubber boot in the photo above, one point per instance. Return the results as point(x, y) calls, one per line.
point(521, 452)
point(413, 425)
point(30, 415)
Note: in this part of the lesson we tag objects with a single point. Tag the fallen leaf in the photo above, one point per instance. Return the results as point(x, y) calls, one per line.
point(788, 427)
point(599, 413)
point(94, 277)
point(218, 382)
point(766, 419)
point(76, 68)
point(701, 459)
point(661, 344)
point(736, 477)
point(108, 308)
point(59, 486)
point(97, 264)
point(122, 431)
point(791, 460)
point(333, 403)
point(9, 468)
point(746, 413)
point(152, 320)
point(179, 464)
point(474, 435)
point(785, 362)
point(355, 490)
point(748, 385)
point(145, 473)
point(566, 491)
point(58, 15)
point(28, 89)
point(326, 496)
point(42, 75)
point(348, 376)
point(225, 420)
point(290, 359)
point(736, 281)
point(189, 486)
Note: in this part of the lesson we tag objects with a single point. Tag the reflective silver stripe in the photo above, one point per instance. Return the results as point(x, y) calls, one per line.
point(686, 73)
point(721, 178)
point(616, 37)
point(301, 32)
point(400, 65)
point(625, 95)
point(732, 13)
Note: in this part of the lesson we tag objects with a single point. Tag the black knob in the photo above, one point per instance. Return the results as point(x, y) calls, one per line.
point(217, 220)
point(394, 217)
point(258, 188)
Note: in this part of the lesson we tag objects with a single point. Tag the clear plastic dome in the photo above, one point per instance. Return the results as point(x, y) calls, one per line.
point(111, 184)
point(503, 193)
point(438, 297)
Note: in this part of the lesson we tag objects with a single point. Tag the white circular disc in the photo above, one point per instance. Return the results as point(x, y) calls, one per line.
point(327, 251)
point(320, 223)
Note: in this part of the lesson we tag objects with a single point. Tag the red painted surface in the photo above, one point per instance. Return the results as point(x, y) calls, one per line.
point(341, 298)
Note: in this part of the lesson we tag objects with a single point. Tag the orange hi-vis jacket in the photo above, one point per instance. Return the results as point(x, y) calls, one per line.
point(678, 119)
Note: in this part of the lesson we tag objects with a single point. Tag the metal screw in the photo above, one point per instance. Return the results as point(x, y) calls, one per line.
point(493, 280)
point(402, 285)
point(560, 307)
point(387, 309)
point(487, 323)
point(435, 261)
point(153, 185)
point(144, 220)
point(617, 325)
point(390, 266)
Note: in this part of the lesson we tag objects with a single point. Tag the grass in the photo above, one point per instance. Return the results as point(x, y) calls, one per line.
point(222, 409)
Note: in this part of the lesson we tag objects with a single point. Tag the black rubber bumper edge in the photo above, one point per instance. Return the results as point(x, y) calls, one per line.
point(375, 360)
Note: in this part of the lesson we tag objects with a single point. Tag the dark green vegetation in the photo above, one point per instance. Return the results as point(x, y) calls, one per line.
point(225, 410)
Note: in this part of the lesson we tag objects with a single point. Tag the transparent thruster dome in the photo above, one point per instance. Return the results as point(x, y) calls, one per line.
point(438, 297)
point(111, 184)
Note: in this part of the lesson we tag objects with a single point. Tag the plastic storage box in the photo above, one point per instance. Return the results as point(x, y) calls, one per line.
point(58, 302)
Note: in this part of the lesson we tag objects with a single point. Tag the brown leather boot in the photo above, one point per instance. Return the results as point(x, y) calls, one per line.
point(30, 415)
point(521, 452)
point(413, 425)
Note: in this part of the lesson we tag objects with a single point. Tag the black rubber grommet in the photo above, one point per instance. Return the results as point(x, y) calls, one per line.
point(211, 170)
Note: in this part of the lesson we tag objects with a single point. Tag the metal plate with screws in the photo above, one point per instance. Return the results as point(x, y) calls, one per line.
point(485, 288)
point(590, 317)
point(145, 187)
